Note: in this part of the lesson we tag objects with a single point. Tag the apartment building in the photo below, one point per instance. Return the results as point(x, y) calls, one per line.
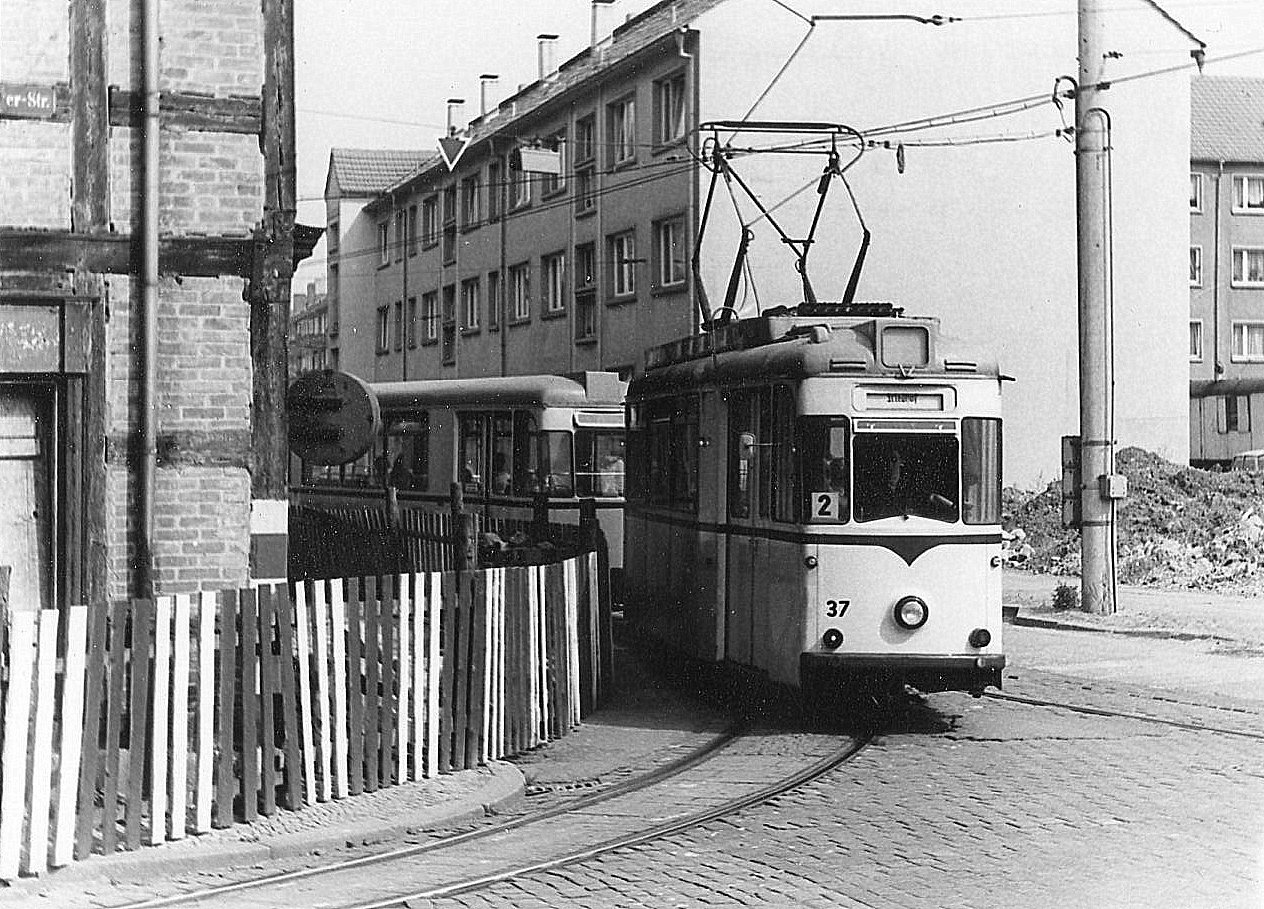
point(1226, 267)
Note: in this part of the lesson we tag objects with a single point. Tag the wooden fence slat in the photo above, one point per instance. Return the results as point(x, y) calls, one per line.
point(338, 619)
point(600, 622)
point(355, 686)
point(306, 717)
point(403, 583)
point(503, 625)
point(207, 613)
point(290, 720)
point(158, 753)
point(386, 708)
point(225, 783)
point(42, 752)
point(561, 664)
point(372, 691)
point(249, 704)
point(116, 662)
point(90, 749)
point(447, 614)
point(570, 569)
point(71, 735)
point(180, 717)
point(268, 685)
point(461, 669)
point(419, 677)
point(17, 717)
point(434, 670)
point(536, 658)
point(323, 711)
point(142, 639)
point(476, 730)
point(515, 604)
point(495, 641)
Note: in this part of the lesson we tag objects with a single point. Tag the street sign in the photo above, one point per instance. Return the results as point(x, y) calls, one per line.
point(26, 101)
point(333, 416)
point(451, 148)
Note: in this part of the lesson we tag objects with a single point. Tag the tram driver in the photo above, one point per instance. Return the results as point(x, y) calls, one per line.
point(894, 484)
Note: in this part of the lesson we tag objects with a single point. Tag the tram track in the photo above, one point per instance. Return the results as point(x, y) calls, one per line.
point(609, 817)
point(1121, 714)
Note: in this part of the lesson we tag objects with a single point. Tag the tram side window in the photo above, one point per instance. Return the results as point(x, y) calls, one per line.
point(823, 445)
point(673, 453)
point(908, 474)
point(783, 494)
point(470, 460)
point(743, 453)
point(525, 464)
point(407, 451)
point(555, 463)
point(502, 450)
point(981, 471)
point(638, 455)
point(598, 463)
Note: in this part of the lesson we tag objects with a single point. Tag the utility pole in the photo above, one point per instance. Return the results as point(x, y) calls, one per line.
point(1097, 445)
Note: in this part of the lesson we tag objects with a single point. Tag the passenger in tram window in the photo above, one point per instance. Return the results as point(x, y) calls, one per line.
point(611, 477)
point(401, 477)
point(501, 478)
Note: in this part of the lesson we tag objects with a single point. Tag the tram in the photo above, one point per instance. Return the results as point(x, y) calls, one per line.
point(511, 442)
point(815, 495)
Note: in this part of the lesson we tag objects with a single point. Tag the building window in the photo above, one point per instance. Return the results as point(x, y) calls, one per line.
point(1248, 193)
point(384, 243)
point(520, 292)
point(410, 322)
point(623, 264)
point(553, 276)
point(1195, 192)
point(519, 187)
point(430, 313)
point(449, 225)
point(621, 129)
point(1236, 413)
point(669, 109)
point(471, 204)
point(495, 190)
point(1248, 341)
point(401, 230)
point(1195, 341)
point(470, 305)
point(412, 230)
point(555, 183)
point(1248, 267)
point(430, 221)
point(669, 253)
point(331, 239)
point(585, 139)
point(495, 297)
point(1195, 266)
point(585, 291)
point(399, 324)
point(383, 329)
point(585, 188)
point(449, 324)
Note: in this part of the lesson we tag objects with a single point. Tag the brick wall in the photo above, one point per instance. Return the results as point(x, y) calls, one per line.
point(34, 174)
point(212, 47)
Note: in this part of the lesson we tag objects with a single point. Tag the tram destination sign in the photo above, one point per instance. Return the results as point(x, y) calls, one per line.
point(27, 101)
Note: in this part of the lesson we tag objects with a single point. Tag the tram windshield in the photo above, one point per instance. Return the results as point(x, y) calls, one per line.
point(906, 474)
point(598, 463)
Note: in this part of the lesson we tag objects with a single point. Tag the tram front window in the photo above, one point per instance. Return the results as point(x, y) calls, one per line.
point(905, 475)
point(598, 463)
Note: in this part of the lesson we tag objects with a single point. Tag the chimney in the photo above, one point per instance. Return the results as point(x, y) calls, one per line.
point(486, 84)
point(456, 107)
point(602, 20)
point(547, 56)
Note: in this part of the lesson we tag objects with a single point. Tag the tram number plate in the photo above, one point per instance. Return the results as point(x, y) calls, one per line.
point(836, 609)
point(827, 506)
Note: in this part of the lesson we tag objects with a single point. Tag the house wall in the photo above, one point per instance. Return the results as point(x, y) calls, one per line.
point(982, 235)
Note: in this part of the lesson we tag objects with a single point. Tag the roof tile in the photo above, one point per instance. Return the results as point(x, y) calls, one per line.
point(1227, 119)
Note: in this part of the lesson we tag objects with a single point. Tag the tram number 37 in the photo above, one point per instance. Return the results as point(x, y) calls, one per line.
point(836, 609)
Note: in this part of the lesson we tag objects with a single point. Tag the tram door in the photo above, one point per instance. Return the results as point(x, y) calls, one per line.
point(744, 555)
point(27, 521)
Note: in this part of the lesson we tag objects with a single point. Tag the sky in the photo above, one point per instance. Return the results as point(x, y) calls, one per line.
point(377, 73)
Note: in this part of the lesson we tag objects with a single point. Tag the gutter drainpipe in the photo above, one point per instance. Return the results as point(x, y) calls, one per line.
point(148, 341)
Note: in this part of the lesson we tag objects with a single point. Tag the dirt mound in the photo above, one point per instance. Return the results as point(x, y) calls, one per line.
point(1179, 527)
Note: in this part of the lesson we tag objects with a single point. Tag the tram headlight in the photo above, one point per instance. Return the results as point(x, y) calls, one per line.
point(911, 612)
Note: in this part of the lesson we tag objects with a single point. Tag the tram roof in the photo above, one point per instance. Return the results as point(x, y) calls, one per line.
point(578, 390)
point(800, 347)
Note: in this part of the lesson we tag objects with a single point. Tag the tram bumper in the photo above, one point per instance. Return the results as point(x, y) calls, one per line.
point(965, 672)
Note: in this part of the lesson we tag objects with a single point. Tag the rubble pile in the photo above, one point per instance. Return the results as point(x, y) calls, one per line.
point(1179, 527)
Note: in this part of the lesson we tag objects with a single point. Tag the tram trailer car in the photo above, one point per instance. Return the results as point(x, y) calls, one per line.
point(817, 497)
point(503, 438)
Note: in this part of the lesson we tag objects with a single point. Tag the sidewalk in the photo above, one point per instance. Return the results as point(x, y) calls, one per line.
point(1190, 615)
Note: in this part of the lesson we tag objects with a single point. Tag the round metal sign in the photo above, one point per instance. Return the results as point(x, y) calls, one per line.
point(334, 417)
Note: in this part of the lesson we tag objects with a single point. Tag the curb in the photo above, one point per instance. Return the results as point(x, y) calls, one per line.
point(505, 789)
point(1153, 633)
